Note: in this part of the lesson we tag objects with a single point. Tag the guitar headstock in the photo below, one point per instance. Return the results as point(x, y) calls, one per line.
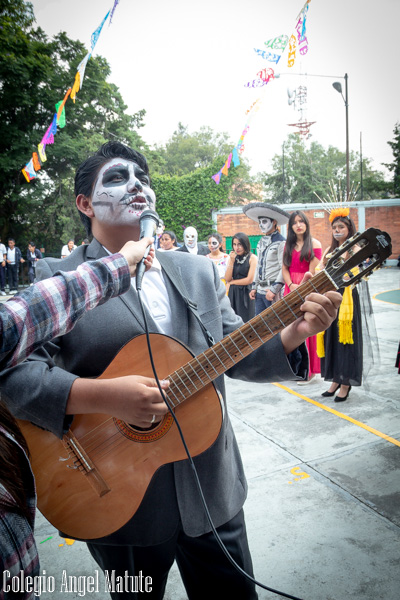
point(372, 248)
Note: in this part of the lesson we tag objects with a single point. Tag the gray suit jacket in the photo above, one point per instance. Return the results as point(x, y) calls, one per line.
point(38, 390)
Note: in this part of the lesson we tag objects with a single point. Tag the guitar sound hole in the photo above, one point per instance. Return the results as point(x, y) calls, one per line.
point(152, 426)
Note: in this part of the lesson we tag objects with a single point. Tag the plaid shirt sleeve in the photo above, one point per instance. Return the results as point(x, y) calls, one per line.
point(51, 307)
point(18, 552)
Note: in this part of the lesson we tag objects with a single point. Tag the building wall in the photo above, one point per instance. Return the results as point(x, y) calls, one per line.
point(381, 214)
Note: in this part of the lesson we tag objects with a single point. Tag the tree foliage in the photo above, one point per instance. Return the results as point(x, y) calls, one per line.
point(194, 157)
point(189, 200)
point(185, 152)
point(394, 167)
point(35, 73)
point(301, 172)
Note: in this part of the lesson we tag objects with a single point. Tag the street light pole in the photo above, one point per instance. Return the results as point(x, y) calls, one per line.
point(338, 87)
point(347, 140)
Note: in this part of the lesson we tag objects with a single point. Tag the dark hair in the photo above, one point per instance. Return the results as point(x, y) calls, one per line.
point(171, 235)
point(12, 465)
point(218, 237)
point(243, 239)
point(348, 221)
point(87, 172)
point(11, 240)
point(31, 244)
point(307, 252)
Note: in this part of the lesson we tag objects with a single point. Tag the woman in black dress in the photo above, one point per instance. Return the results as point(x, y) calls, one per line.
point(240, 275)
point(343, 344)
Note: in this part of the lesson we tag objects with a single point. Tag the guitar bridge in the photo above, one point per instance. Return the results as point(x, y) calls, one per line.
point(85, 464)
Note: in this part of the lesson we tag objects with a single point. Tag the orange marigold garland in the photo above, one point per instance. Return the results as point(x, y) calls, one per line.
point(339, 212)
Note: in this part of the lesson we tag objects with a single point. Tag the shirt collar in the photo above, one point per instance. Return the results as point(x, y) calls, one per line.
point(156, 263)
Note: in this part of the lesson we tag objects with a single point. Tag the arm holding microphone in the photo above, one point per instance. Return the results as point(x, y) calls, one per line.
point(51, 307)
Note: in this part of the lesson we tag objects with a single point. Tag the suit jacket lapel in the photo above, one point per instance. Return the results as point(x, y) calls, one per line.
point(130, 299)
point(178, 307)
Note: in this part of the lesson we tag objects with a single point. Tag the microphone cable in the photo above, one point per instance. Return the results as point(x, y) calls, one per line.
point(195, 474)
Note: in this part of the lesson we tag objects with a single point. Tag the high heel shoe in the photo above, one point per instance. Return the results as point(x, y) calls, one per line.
point(329, 394)
point(340, 399)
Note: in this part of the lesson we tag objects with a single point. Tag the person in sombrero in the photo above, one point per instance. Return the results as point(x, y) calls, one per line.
point(270, 248)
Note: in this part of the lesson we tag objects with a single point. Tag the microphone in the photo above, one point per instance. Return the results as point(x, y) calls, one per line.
point(148, 222)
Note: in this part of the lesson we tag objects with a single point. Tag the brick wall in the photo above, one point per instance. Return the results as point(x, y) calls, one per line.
point(386, 218)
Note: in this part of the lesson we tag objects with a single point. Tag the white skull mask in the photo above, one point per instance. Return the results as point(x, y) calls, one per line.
point(190, 237)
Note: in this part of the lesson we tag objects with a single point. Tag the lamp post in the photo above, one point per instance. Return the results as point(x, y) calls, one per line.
point(338, 87)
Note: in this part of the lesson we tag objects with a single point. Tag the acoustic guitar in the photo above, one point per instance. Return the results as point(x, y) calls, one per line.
point(90, 483)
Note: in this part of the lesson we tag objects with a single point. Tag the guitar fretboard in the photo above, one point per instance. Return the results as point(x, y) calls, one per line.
point(213, 362)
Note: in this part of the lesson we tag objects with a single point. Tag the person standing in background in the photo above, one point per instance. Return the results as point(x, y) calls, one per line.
point(159, 232)
point(32, 256)
point(68, 249)
point(342, 343)
point(217, 255)
point(266, 285)
point(3, 258)
point(190, 236)
point(14, 257)
point(240, 274)
point(302, 254)
point(168, 241)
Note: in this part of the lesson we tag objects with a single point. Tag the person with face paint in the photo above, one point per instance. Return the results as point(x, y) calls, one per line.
point(266, 286)
point(341, 345)
point(217, 255)
point(112, 189)
point(239, 275)
point(190, 243)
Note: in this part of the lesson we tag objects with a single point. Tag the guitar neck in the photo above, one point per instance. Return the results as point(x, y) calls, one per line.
point(206, 367)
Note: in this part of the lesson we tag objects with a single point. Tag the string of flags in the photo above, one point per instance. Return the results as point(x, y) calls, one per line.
point(59, 118)
point(274, 52)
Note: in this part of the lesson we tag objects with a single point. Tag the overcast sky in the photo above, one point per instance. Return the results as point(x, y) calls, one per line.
point(188, 61)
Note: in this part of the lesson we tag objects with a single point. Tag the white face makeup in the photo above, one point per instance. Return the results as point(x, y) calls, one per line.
point(340, 231)
point(266, 224)
point(121, 193)
point(213, 243)
point(190, 237)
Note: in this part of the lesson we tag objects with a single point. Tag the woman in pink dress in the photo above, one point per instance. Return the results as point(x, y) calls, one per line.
point(302, 253)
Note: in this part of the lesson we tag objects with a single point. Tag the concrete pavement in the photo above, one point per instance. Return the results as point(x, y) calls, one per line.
point(323, 510)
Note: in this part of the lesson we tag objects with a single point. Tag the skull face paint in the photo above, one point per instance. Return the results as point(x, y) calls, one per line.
point(121, 193)
point(340, 231)
point(213, 243)
point(190, 237)
point(265, 224)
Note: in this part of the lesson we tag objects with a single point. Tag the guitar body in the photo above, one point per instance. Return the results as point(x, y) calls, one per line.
point(91, 483)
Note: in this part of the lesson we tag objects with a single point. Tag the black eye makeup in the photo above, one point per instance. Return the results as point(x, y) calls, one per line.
point(116, 174)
